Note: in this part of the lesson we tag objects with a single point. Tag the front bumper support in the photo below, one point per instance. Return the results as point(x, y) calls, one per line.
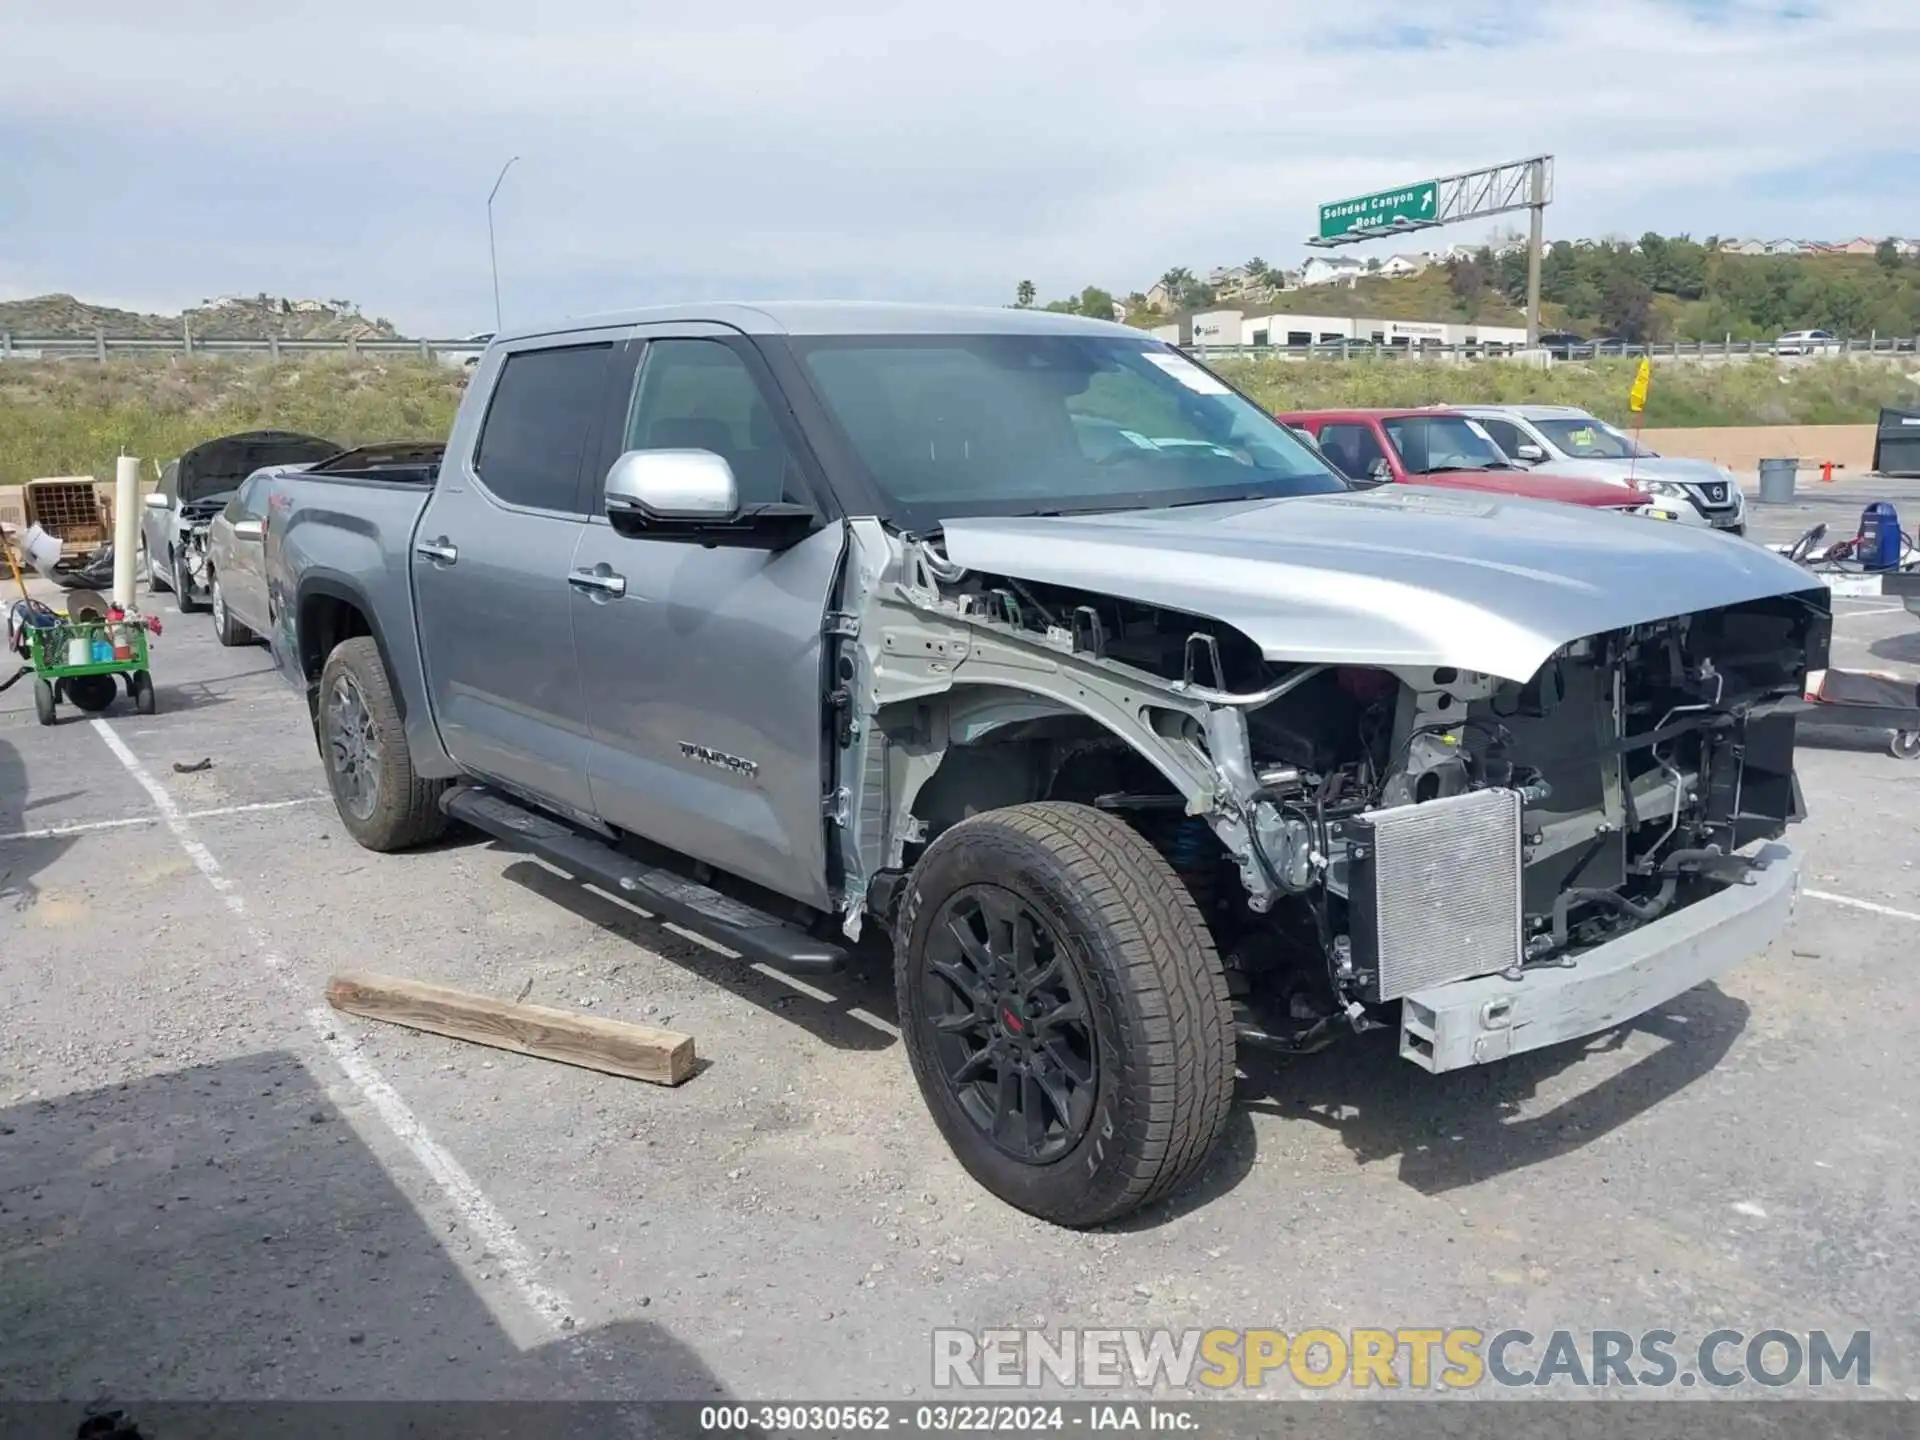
point(1475, 1022)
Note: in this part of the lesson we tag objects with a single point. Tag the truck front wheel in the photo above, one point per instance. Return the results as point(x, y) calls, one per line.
point(363, 744)
point(1065, 1011)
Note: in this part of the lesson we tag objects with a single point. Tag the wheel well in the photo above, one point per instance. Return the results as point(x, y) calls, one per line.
point(324, 620)
point(1067, 757)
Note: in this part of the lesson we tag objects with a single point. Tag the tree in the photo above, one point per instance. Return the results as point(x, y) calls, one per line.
point(1176, 280)
point(1196, 294)
point(1887, 255)
point(1024, 294)
point(1096, 303)
point(1626, 309)
point(1467, 279)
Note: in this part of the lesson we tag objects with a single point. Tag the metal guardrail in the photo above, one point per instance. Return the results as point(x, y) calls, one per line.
point(100, 346)
point(1673, 349)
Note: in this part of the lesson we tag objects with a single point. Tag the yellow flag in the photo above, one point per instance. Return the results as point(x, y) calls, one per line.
point(1637, 397)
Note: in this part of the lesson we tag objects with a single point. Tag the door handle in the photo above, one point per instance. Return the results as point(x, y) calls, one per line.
point(600, 580)
point(439, 551)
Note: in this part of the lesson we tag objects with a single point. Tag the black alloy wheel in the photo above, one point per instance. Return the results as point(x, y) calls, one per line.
point(1012, 1031)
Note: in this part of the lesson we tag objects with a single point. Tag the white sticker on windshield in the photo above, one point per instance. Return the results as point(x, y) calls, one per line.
point(1186, 372)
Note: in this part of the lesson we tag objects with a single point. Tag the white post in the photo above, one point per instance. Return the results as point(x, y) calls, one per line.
point(126, 527)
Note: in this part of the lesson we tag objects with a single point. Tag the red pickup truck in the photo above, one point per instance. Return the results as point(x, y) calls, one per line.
point(1444, 448)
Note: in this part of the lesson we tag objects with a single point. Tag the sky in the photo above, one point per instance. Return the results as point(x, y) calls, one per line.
point(153, 156)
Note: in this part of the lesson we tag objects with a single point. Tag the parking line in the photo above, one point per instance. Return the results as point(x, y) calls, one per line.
point(495, 1231)
point(55, 832)
point(1853, 904)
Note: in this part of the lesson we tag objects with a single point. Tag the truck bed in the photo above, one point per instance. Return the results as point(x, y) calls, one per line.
point(407, 462)
point(339, 541)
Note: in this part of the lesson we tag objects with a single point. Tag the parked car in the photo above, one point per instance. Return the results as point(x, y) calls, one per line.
point(1574, 442)
point(195, 488)
point(1444, 448)
point(1808, 342)
point(1564, 344)
point(235, 571)
point(1031, 643)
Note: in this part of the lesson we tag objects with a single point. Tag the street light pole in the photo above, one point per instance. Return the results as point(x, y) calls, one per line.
point(492, 254)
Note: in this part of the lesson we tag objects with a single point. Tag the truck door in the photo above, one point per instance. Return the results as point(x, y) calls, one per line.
point(491, 555)
point(702, 667)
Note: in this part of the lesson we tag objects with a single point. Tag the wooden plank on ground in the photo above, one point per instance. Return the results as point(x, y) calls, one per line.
point(617, 1047)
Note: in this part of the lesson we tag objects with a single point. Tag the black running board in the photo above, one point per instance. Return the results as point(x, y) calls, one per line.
point(722, 919)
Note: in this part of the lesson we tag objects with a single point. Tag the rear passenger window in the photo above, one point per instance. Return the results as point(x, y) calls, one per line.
point(1353, 449)
point(700, 395)
point(538, 423)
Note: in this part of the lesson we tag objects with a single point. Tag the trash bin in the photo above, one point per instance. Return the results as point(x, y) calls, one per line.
point(1776, 481)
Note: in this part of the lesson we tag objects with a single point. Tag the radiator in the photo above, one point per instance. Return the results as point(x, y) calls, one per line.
point(1435, 891)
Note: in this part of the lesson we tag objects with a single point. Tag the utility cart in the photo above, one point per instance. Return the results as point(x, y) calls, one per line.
point(76, 661)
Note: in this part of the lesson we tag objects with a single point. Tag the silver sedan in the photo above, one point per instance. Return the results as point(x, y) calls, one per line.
point(236, 574)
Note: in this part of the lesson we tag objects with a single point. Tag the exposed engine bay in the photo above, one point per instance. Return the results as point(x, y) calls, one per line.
point(196, 520)
point(1354, 833)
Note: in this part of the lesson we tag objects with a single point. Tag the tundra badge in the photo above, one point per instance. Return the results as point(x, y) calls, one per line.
point(719, 759)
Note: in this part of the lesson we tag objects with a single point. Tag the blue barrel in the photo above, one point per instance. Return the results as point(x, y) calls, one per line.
point(1878, 544)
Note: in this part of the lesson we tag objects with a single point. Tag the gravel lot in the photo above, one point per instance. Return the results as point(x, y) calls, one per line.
point(212, 1186)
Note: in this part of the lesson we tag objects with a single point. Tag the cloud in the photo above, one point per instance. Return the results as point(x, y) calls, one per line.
point(914, 151)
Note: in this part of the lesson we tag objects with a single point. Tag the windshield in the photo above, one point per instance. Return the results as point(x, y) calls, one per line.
point(957, 425)
point(1587, 439)
point(1432, 444)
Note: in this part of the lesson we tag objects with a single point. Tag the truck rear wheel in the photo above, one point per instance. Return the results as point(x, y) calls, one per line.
point(363, 744)
point(1065, 1011)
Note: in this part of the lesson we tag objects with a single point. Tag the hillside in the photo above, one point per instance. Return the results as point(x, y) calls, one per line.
point(66, 418)
point(1656, 288)
point(254, 317)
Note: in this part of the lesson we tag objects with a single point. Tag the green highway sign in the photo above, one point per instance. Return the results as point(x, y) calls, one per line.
point(1416, 203)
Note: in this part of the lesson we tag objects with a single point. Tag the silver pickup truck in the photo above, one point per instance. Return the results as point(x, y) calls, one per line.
point(1030, 644)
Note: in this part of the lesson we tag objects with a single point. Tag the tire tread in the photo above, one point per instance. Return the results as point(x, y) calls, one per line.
point(1168, 963)
point(408, 813)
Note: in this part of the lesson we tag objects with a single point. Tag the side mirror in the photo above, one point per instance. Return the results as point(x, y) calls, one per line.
point(1531, 454)
point(247, 530)
point(154, 500)
point(657, 486)
point(1379, 472)
point(691, 495)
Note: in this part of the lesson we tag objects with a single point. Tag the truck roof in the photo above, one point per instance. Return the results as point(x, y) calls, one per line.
point(1531, 412)
point(843, 317)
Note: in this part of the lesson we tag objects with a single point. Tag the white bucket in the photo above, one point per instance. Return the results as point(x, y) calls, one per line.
point(42, 550)
point(79, 651)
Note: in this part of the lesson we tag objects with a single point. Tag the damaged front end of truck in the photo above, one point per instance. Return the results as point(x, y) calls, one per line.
point(1409, 800)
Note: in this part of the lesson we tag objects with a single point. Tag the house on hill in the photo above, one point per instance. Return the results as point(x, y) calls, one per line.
point(1331, 270)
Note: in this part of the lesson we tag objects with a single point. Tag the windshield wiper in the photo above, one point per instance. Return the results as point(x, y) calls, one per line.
point(1443, 469)
point(1218, 500)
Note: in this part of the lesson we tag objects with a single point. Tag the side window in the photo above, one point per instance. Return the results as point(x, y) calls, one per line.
point(236, 508)
point(538, 424)
point(1505, 434)
point(1353, 449)
point(253, 498)
point(700, 395)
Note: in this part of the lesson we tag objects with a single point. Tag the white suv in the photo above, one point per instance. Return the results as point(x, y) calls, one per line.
point(1574, 443)
point(1807, 342)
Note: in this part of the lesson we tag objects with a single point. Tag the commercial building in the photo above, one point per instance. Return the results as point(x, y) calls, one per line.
point(1236, 328)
